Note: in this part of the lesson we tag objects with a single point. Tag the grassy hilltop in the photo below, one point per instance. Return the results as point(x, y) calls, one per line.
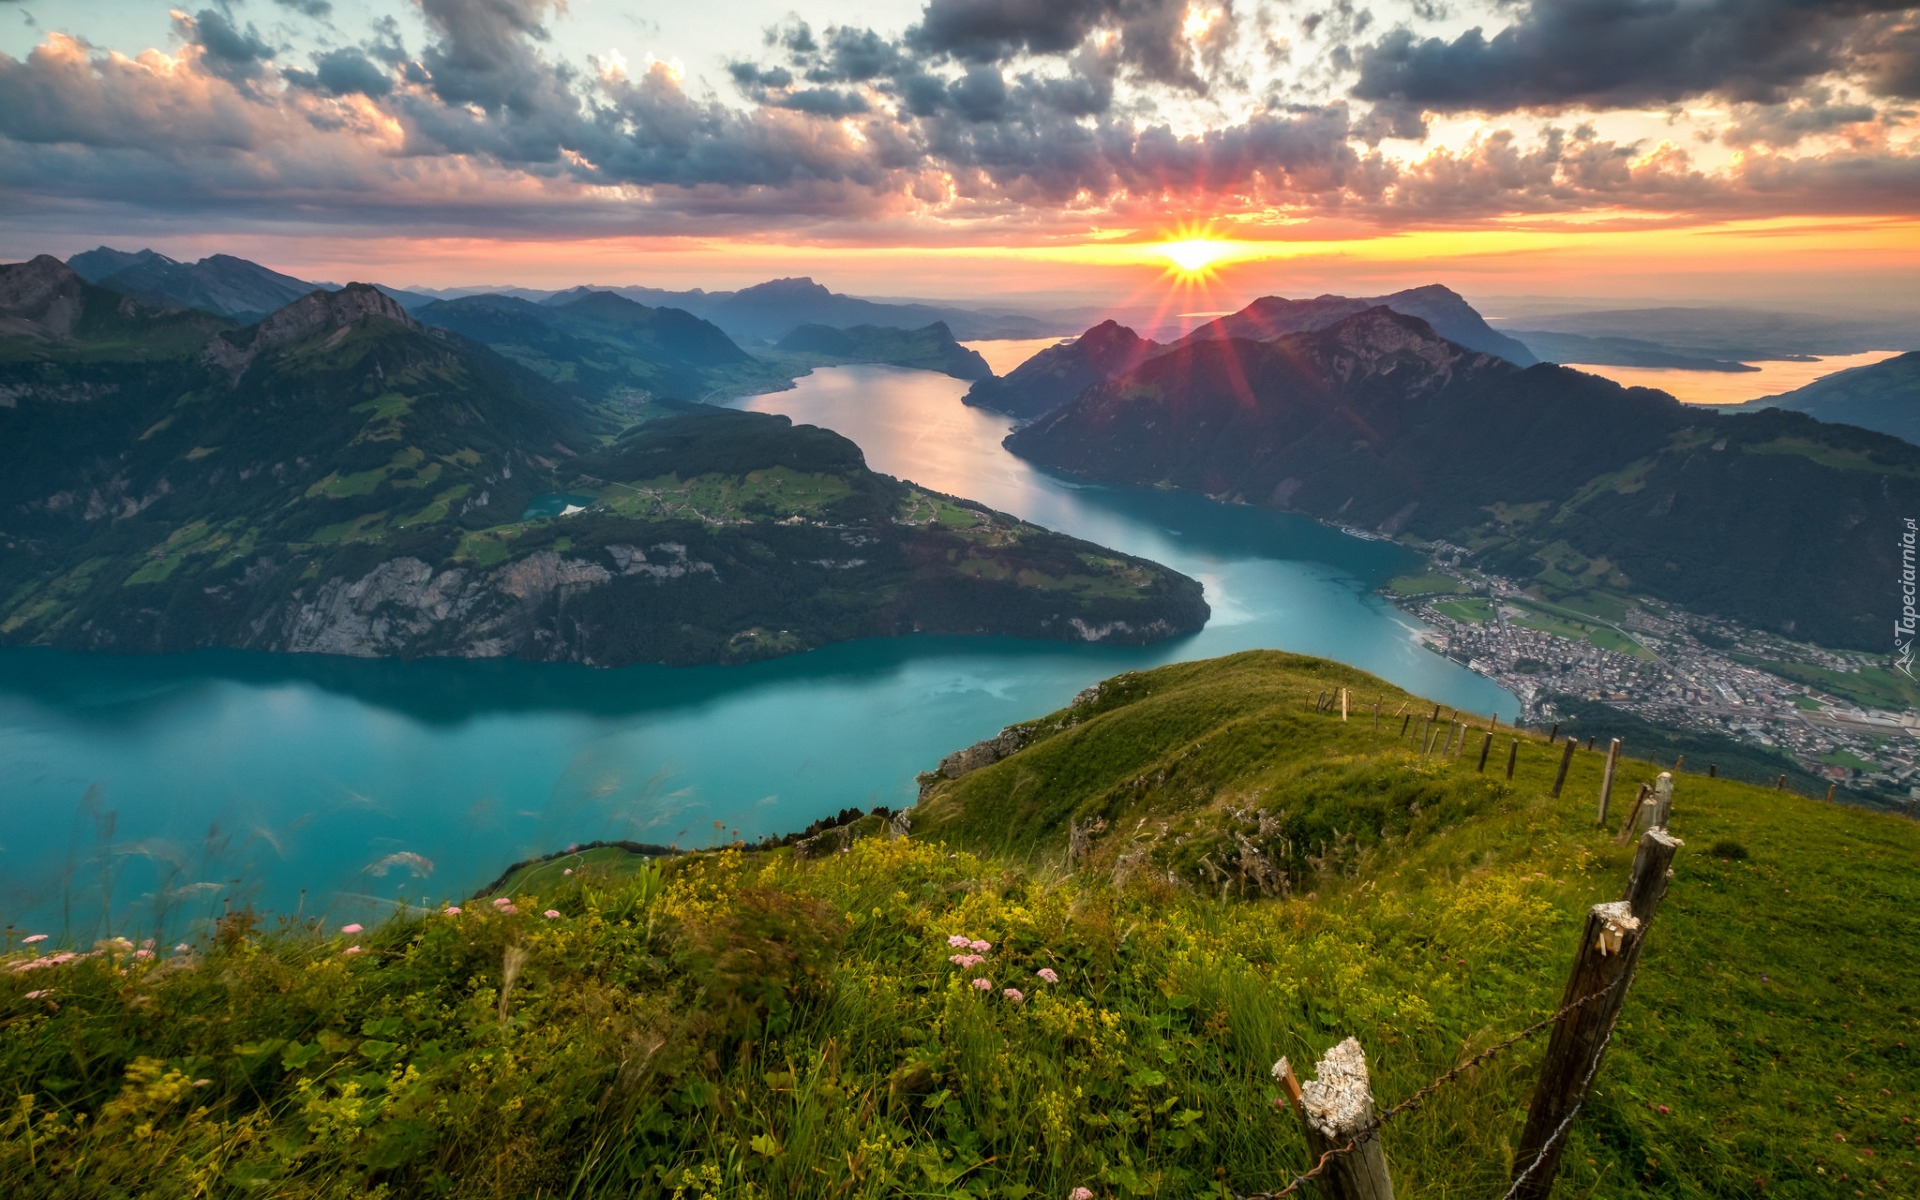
point(755, 1024)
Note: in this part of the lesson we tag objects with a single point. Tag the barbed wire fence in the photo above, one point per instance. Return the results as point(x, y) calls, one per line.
point(1336, 1108)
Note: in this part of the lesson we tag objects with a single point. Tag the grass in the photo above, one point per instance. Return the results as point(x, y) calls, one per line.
point(745, 1025)
point(1433, 584)
point(1477, 610)
point(1874, 687)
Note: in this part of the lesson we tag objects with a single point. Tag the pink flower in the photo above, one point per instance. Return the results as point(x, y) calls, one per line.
point(551, 913)
point(143, 953)
point(183, 948)
point(982, 947)
point(453, 910)
point(510, 910)
point(38, 937)
point(1047, 974)
point(350, 929)
point(568, 871)
point(351, 950)
point(958, 940)
point(501, 902)
point(1080, 1194)
point(983, 985)
point(1664, 1110)
point(1013, 994)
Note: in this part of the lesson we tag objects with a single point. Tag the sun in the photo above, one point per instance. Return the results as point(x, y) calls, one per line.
point(1194, 255)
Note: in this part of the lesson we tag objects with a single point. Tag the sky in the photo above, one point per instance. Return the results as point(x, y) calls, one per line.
point(1543, 151)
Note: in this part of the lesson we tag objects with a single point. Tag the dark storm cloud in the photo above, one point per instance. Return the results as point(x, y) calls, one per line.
point(311, 8)
point(1150, 36)
point(340, 73)
point(230, 51)
point(1888, 52)
point(1606, 53)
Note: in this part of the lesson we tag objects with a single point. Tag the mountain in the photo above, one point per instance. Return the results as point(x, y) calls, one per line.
point(1546, 473)
point(1059, 373)
point(928, 349)
point(1883, 396)
point(1440, 307)
point(1617, 352)
point(608, 347)
point(769, 311)
point(339, 478)
point(48, 312)
point(1737, 334)
point(220, 284)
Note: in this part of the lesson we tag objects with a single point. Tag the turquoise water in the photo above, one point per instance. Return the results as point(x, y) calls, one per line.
point(138, 792)
point(553, 504)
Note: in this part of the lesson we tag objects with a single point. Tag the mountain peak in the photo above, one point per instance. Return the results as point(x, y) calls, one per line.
point(41, 296)
point(313, 314)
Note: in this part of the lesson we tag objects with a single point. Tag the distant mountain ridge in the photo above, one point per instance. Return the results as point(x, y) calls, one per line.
point(341, 478)
point(932, 348)
point(1545, 472)
point(1061, 372)
point(220, 284)
point(1439, 306)
point(1883, 396)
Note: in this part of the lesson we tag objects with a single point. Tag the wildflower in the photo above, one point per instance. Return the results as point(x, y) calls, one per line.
point(1047, 974)
point(501, 902)
point(551, 913)
point(350, 929)
point(983, 985)
point(143, 953)
point(982, 947)
point(43, 992)
point(147, 945)
point(38, 937)
point(351, 950)
point(957, 940)
point(1080, 1193)
point(1665, 1111)
point(510, 910)
point(1013, 994)
point(453, 910)
point(183, 948)
point(568, 871)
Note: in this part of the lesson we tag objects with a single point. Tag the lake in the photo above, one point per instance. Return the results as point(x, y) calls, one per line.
point(1736, 387)
point(151, 792)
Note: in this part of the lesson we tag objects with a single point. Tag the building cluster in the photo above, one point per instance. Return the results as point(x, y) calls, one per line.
point(1680, 670)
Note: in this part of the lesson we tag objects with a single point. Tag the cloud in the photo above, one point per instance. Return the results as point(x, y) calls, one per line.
point(1030, 117)
point(341, 72)
point(229, 51)
point(1611, 53)
point(311, 8)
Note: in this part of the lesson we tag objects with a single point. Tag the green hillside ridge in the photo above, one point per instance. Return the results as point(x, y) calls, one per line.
point(749, 1024)
point(338, 479)
point(1883, 396)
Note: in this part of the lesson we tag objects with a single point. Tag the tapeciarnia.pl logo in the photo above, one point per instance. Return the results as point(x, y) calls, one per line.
point(1903, 629)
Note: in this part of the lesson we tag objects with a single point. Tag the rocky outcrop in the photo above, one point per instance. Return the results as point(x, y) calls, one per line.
point(403, 605)
point(41, 298)
point(985, 753)
point(315, 313)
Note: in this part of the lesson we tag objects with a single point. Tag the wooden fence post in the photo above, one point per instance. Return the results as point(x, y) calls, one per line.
point(1336, 1107)
point(1343, 704)
point(1606, 779)
point(1484, 747)
point(1554, 733)
point(1566, 760)
point(1513, 755)
point(1376, 716)
point(1609, 951)
point(1642, 803)
point(1780, 785)
point(1678, 763)
point(1713, 770)
point(1830, 788)
point(1662, 802)
point(1404, 722)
